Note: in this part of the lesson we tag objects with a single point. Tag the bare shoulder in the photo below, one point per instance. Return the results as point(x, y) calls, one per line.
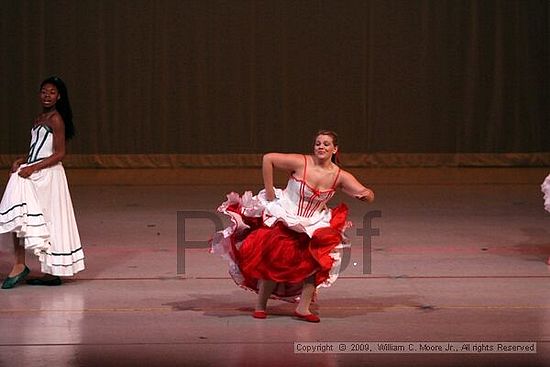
point(348, 180)
point(287, 161)
point(286, 156)
point(345, 176)
point(55, 121)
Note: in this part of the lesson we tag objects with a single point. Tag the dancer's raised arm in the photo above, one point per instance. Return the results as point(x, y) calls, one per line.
point(287, 162)
point(352, 187)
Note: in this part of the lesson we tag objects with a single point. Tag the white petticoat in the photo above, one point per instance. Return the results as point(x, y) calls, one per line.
point(545, 187)
point(39, 210)
point(279, 210)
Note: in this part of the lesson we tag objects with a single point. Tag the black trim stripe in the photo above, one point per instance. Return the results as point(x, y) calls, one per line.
point(65, 254)
point(36, 160)
point(48, 129)
point(40, 147)
point(28, 225)
point(31, 150)
point(13, 207)
point(63, 265)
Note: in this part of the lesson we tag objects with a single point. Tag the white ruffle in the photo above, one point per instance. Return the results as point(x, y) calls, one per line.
point(20, 212)
point(283, 209)
point(39, 210)
point(280, 209)
point(545, 187)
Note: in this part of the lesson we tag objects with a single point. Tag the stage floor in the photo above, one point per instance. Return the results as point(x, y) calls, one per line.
point(435, 259)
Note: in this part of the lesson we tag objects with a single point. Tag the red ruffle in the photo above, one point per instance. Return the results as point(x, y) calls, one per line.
point(288, 257)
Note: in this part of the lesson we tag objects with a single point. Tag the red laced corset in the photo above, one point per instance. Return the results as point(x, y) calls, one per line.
point(311, 199)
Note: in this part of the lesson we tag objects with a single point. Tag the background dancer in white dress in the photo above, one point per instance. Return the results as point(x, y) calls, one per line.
point(36, 206)
point(545, 187)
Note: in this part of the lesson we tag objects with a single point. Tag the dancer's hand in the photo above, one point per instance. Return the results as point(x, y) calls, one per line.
point(270, 194)
point(15, 165)
point(26, 171)
point(365, 195)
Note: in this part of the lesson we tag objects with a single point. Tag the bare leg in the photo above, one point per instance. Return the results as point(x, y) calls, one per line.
point(307, 295)
point(265, 289)
point(19, 251)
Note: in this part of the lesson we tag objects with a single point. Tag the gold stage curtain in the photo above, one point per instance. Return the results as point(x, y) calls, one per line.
point(349, 160)
point(163, 78)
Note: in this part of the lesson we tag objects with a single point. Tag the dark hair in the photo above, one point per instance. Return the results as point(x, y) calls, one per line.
point(334, 136)
point(63, 106)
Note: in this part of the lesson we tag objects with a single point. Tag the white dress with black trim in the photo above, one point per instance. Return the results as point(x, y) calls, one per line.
point(40, 211)
point(545, 187)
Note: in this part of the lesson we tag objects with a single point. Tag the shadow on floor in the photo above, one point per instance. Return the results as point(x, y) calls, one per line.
point(218, 306)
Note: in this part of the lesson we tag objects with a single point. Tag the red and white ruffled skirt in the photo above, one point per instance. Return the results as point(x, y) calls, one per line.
point(286, 249)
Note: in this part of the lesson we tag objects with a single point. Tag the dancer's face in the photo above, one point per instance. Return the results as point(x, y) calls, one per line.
point(324, 147)
point(49, 95)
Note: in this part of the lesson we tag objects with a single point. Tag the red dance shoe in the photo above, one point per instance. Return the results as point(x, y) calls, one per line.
point(309, 318)
point(259, 315)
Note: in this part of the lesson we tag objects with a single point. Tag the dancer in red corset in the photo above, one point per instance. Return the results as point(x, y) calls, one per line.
point(284, 243)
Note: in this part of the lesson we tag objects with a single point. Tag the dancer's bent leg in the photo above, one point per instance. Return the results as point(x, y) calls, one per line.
point(307, 295)
point(265, 288)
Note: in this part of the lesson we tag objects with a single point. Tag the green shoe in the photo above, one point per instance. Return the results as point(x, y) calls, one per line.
point(45, 281)
point(10, 282)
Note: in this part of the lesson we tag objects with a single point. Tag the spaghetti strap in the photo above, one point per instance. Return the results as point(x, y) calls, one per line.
point(305, 166)
point(336, 179)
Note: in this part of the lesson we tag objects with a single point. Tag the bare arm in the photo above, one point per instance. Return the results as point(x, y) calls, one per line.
point(58, 127)
point(287, 162)
point(352, 187)
point(17, 163)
